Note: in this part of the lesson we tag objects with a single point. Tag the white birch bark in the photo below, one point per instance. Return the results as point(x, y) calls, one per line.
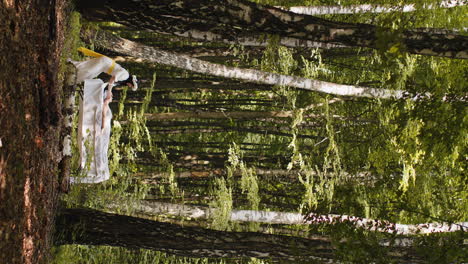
point(154, 55)
point(362, 177)
point(267, 217)
point(369, 8)
point(255, 41)
point(235, 20)
point(386, 226)
point(228, 115)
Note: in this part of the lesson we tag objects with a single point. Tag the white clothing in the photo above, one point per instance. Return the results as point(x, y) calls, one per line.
point(90, 69)
point(92, 137)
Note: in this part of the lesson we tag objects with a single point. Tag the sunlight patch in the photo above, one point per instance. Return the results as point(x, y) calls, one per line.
point(2, 176)
point(28, 248)
point(28, 244)
point(9, 3)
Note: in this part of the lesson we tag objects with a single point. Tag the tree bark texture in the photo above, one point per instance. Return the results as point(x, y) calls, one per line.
point(243, 22)
point(356, 9)
point(219, 115)
point(90, 227)
point(134, 49)
point(223, 129)
point(272, 173)
point(286, 218)
point(250, 115)
point(362, 177)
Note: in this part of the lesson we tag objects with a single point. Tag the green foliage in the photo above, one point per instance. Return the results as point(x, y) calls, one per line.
point(279, 59)
point(408, 147)
point(286, 2)
point(296, 158)
point(223, 204)
point(148, 95)
point(170, 179)
point(116, 255)
point(312, 189)
point(249, 185)
point(402, 161)
point(276, 58)
point(358, 246)
point(249, 180)
point(448, 248)
point(123, 96)
point(313, 67)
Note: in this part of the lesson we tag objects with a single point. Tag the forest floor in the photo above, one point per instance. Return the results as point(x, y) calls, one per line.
point(31, 42)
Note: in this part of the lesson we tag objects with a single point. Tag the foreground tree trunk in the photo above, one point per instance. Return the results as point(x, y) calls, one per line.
point(356, 9)
point(243, 22)
point(134, 49)
point(90, 227)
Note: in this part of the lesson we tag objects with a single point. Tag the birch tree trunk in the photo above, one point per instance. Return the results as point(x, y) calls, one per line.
point(386, 226)
point(90, 227)
point(242, 21)
point(219, 115)
point(254, 130)
point(269, 217)
point(218, 172)
point(238, 114)
point(150, 54)
point(369, 8)
point(362, 177)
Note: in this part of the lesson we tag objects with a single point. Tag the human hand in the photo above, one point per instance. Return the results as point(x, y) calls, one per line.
point(112, 80)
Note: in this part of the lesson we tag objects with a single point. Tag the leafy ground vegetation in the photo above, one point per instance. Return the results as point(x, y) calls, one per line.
point(199, 140)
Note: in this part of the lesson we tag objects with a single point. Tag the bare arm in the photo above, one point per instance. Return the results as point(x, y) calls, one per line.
point(107, 100)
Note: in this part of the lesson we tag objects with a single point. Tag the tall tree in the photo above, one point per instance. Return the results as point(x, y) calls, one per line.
point(131, 48)
point(243, 22)
point(223, 115)
point(369, 8)
point(90, 227)
point(288, 218)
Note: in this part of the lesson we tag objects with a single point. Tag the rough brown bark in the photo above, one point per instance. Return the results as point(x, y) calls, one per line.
point(90, 227)
point(31, 44)
point(243, 21)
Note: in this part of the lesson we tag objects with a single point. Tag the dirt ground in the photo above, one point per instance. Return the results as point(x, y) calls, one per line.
point(31, 37)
